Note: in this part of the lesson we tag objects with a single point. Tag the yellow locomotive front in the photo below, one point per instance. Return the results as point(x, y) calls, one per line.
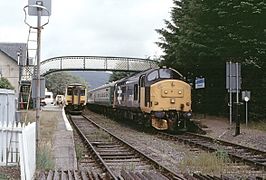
point(75, 97)
point(169, 100)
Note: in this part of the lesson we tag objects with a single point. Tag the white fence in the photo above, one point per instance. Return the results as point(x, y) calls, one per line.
point(17, 140)
point(28, 152)
point(7, 106)
point(17, 146)
point(9, 143)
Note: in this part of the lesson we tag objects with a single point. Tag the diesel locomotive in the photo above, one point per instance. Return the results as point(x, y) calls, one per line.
point(156, 97)
point(75, 98)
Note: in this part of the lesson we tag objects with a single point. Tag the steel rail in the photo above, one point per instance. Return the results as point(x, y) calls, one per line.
point(167, 172)
point(93, 150)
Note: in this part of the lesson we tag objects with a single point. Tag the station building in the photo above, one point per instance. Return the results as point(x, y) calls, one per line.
point(12, 55)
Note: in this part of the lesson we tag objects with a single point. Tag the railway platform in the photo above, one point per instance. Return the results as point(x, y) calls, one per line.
point(63, 148)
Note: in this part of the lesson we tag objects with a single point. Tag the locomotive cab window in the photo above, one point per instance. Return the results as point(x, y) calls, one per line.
point(69, 91)
point(82, 92)
point(169, 74)
point(165, 73)
point(153, 76)
point(75, 92)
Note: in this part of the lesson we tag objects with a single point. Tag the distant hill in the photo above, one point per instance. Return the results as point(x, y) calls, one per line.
point(94, 79)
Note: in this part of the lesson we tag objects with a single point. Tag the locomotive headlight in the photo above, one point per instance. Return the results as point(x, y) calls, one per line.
point(188, 103)
point(179, 92)
point(165, 92)
point(172, 101)
point(187, 115)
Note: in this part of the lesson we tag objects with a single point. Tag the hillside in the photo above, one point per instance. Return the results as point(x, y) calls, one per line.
point(94, 79)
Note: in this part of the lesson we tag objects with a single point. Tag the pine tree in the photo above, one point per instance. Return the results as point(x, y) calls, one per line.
point(203, 34)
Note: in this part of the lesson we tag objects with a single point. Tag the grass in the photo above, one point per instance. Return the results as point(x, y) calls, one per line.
point(48, 124)
point(259, 125)
point(130, 167)
point(44, 157)
point(215, 163)
point(99, 135)
point(79, 151)
point(3, 177)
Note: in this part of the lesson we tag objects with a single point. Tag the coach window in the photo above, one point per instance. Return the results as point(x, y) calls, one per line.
point(123, 93)
point(136, 88)
point(153, 76)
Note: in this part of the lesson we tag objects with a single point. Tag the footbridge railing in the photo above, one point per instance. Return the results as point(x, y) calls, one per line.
point(95, 63)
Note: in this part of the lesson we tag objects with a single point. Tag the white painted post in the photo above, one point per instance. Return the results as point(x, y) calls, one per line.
point(28, 149)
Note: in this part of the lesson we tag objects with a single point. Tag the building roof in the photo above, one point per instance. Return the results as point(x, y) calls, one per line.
point(12, 50)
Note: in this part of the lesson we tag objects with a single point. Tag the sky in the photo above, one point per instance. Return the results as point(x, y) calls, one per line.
point(91, 27)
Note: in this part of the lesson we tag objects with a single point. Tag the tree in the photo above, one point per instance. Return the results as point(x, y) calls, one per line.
point(57, 82)
point(202, 35)
point(5, 84)
point(119, 75)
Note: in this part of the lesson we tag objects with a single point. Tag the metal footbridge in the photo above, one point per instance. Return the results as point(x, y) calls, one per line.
point(90, 63)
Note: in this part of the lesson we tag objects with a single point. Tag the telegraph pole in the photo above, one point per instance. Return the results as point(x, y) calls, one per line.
point(38, 84)
point(237, 131)
point(38, 8)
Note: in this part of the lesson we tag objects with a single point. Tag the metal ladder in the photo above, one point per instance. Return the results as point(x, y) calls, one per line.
point(25, 77)
point(27, 70)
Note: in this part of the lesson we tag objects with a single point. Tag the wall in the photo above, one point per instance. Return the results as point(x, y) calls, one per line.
point(10, 70)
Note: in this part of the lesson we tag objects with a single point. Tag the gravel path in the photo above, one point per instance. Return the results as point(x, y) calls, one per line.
point(220, 128)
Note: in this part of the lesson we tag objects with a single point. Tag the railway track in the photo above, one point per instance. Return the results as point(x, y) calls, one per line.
point(118, 159)
point(250, 156)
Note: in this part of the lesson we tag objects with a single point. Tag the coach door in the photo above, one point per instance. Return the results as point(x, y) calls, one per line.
point(77, 95)
point(142, 94)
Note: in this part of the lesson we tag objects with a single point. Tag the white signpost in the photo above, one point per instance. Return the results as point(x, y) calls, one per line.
point(200, 83)
point(246, 98)
point(233, 85)
point(43, 4)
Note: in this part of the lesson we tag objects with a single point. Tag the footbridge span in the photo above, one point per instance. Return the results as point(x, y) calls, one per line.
point(95, 63)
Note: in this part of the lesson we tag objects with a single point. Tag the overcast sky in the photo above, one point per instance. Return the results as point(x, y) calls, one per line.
point(91, 27)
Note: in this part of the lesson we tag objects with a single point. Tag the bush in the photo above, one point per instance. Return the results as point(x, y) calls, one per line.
point(4, 83)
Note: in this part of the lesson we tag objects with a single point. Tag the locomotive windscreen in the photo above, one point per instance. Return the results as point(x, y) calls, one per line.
point(163, 74)
point(69, 91)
